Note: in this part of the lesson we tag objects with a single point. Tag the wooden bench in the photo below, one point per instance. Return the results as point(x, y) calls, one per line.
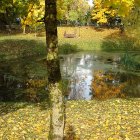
point(69, 35)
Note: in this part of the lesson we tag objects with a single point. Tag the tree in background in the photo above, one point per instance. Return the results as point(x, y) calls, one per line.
point(54, 75)
point(72, 11)
point(7, 12)
point(105, 11)
point(77, 11)
point(30, 11)
point(133, 20)
point(127, 10)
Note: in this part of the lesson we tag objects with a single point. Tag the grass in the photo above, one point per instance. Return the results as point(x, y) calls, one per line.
point(131, 62)
point(90, 39)
point(16, 46)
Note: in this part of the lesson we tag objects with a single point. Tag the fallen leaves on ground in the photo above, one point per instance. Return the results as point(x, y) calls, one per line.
point(28, 122)
point(114, 119)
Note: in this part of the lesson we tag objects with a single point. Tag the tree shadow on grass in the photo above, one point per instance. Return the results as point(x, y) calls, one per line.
point(15, 48)
point(70, 134)
point(7, 107)
point(99, 29)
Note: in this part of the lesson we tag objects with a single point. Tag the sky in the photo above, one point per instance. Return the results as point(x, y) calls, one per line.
point(90, 2)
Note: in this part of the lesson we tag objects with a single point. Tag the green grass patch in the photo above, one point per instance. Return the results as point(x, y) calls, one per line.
point(89, 40)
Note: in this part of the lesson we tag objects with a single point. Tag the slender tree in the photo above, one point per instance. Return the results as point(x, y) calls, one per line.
point(54, 75)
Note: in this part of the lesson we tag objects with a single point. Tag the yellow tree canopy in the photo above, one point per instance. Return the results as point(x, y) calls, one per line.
point(110, 8)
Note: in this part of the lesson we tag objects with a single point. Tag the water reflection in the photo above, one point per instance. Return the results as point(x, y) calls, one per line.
point(77, 69)
point(107, 85)
point(98, 75)
point(22, 79)
point(86, 76)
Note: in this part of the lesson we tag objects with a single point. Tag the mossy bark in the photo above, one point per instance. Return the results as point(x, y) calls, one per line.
point(54, 75)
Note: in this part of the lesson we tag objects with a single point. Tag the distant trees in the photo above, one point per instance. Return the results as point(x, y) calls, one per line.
point(7, 12)
point(132, 21)
point(81, 7)
point(31, 11)
point(27, 11)
point(107, 11)
point(123, 13)
point(104, 10)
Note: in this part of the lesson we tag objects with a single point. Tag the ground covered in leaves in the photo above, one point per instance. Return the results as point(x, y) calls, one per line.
point(115, 119)
point(22, 121)
point(104, 120)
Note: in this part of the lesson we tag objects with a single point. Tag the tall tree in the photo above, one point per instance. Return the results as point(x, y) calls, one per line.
point(30, 11)
point(105, 9)
point(72, 10)
point(54, 75)
point(6, 12)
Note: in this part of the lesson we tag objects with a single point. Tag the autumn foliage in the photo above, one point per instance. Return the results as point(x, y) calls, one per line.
point(106, 85)
point(105, 9)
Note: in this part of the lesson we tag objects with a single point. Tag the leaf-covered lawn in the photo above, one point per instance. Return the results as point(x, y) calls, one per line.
point(23, 122)
point(104, 120)
point(116, 119)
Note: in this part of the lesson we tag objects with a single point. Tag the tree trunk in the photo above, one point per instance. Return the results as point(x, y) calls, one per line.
point(54, 75)
point(24, 29)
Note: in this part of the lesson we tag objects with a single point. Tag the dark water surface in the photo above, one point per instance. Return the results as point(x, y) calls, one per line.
point(97, 75)
point(22, 79)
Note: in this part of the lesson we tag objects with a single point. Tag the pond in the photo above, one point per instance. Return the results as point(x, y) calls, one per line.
point(23, 79)
point(94, 75)
point(98, 75)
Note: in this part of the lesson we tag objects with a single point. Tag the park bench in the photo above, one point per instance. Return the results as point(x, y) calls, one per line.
point(72, 35)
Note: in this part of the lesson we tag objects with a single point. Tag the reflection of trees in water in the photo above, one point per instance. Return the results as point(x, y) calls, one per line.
point(132, 87)
point(22, 79)
point(107, 85)
point(76, 70)
point(77, 86)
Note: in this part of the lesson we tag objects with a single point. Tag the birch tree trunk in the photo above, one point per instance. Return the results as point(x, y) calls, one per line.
point(54, 75)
